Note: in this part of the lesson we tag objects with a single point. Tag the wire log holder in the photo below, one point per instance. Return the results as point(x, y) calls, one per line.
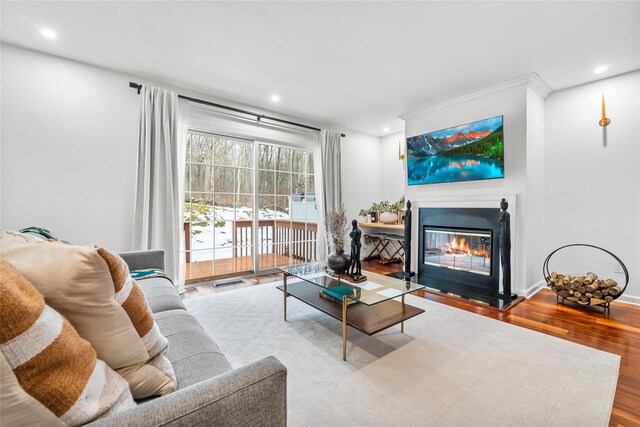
point(606, 305)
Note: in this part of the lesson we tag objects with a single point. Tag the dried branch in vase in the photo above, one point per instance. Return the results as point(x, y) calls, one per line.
point(336, 224)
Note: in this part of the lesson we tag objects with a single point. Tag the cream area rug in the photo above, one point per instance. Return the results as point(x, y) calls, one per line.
point(449, 368)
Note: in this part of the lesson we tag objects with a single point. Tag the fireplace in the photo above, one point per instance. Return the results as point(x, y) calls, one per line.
point(459, 252)
point(458, 249)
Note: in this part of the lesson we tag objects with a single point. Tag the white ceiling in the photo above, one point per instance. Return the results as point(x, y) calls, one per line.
point(348, 65)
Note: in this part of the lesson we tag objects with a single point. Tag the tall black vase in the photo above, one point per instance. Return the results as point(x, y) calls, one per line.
point(338, 262)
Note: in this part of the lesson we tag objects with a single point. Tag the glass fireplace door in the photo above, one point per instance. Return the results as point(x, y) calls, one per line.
point(458, 249)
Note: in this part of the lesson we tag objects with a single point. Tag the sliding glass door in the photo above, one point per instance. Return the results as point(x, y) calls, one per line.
point(232, 229)
point(287, 216)
point(219, 197)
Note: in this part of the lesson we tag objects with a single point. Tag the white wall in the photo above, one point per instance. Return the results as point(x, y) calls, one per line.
point(592, 178)
point(371, 172)
point(361, 160)
point(534, 221)
point(392, 170)
point(69, 147)
point(512, 104)
point(575, 182)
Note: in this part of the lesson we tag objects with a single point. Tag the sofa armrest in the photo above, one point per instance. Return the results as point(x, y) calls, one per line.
point(140, 260)
point(253, 395)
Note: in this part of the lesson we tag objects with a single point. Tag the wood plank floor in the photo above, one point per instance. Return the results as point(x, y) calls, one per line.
point(228, 267)
point(617, 333)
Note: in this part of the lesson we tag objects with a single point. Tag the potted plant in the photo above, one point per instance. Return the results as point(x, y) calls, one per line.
point(336, 223)
point(365, 214)
point(390, 211)
point(374, 211)
point(399, 209)
point(387, 215)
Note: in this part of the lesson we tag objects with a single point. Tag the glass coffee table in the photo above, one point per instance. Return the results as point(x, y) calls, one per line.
point(371, 308)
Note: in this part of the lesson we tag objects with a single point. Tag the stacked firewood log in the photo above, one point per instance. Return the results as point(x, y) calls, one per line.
point(585, 290)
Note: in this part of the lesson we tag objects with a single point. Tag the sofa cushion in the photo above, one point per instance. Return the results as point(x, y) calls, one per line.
point(193, 354)
point(160, 294)
point(45, 358)
point(17, 407)
point(77, 282)
point(145, 381)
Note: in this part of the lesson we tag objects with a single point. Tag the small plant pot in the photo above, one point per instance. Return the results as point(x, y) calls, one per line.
point(388, 217)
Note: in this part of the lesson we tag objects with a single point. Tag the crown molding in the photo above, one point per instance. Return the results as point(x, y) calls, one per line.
point(541, 87)
point(532, 80)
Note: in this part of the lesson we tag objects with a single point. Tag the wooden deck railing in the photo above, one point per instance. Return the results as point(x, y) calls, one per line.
point(296, 239)
point(292, 238)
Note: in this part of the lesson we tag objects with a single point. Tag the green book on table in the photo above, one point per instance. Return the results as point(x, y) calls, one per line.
point(339, 291)
point(335, 300)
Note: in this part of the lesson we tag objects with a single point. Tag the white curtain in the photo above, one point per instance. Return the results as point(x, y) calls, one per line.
point(159, 202)
point(328, 179)
point(321, 238)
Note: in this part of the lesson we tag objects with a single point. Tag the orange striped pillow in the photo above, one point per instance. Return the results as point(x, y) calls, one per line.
point(129, 295)
point(49, 359)
point(77, 282)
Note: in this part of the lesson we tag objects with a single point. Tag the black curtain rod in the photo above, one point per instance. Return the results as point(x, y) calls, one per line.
point(138, 87)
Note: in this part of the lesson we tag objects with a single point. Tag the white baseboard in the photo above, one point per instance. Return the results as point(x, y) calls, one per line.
point(629, 299)
point(534, 289)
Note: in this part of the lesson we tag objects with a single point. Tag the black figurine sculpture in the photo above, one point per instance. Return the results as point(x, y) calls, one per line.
point(505, 248)
point(355, 267)
point(407, 273)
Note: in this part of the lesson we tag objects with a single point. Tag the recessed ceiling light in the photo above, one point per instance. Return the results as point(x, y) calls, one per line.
point(275, 98)
point(600, 69)
point(48, 33)
point(385, 129)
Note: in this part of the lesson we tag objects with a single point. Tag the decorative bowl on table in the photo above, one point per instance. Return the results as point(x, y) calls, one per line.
point(389, 217)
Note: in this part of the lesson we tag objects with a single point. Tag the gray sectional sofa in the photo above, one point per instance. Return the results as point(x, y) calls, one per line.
point(209, 391)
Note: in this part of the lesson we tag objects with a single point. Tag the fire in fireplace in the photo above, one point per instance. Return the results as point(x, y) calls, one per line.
point(458, 249)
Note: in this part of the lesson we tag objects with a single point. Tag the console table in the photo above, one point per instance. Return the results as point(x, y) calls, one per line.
point(388, 247)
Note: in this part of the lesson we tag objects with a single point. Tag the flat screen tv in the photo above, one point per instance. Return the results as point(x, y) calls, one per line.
point(468, 152)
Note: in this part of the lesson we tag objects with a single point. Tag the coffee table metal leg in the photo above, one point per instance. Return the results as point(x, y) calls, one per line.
point(344, 328)
point(402, 323)
point(285, 297)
